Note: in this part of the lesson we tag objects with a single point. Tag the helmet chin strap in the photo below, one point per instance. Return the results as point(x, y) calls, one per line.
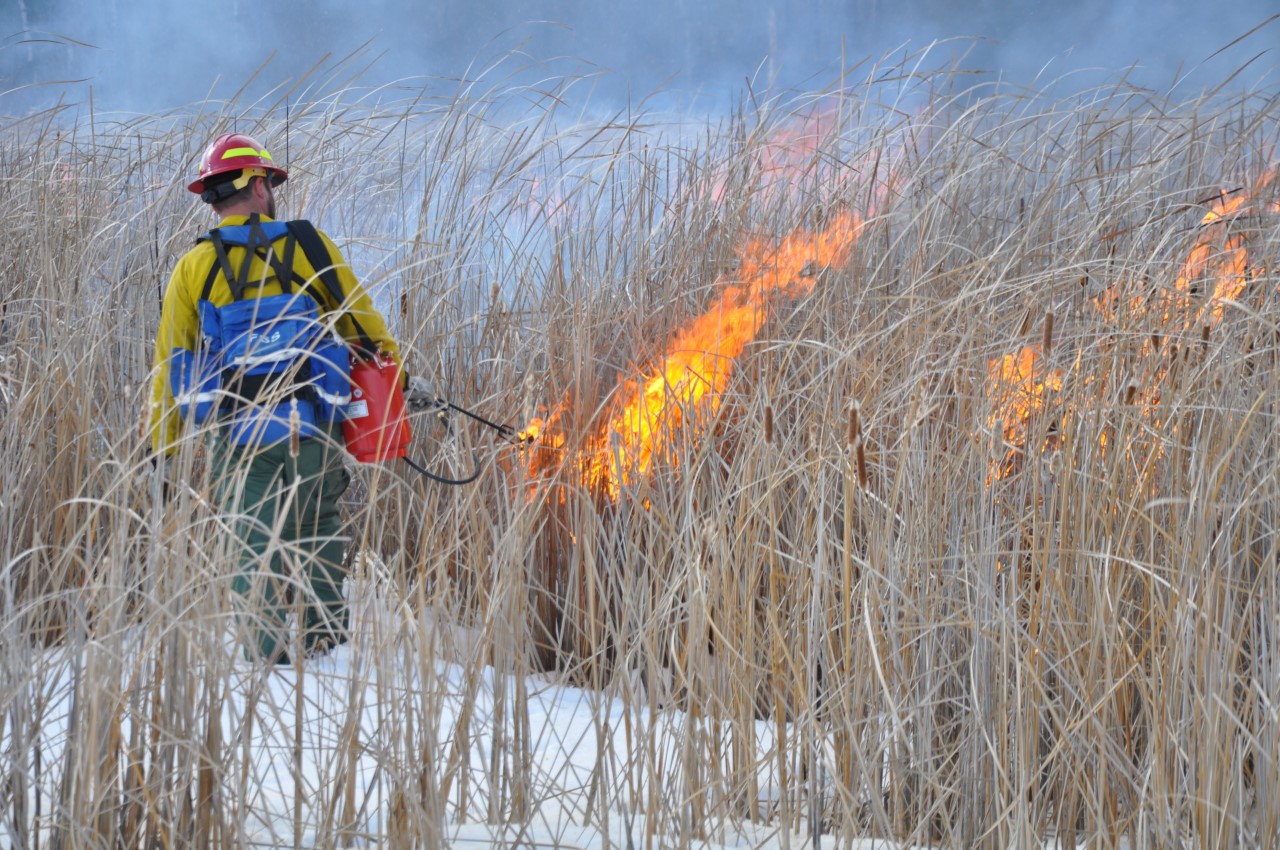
point(217, 193)
point(222, 191)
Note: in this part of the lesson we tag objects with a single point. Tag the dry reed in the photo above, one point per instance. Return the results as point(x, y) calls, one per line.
point(843, 624)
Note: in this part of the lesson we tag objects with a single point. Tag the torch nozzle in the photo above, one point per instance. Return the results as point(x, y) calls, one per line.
point(506, 432)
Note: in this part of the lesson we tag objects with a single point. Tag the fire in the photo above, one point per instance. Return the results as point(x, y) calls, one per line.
point(687, 382)
point(1214, 274)
point(681, 390)
point(1019, 385)
point(532, 431)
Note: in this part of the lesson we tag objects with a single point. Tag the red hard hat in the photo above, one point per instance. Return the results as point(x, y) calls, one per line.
point(236, 152)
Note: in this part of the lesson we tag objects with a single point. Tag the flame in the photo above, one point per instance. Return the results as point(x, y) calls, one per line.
point(680, 391)
point(1216, 270)
point(686, 383)
point(1214, 273)
point(533, 430)
point(1019, 385)
point(783, 157)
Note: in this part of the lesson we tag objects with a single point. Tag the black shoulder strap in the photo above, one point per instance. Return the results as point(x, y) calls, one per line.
point(317, 254)
point(281, 264)
point(223, 264)
point(257, 243)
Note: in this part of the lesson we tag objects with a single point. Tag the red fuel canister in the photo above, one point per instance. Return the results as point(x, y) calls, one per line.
point(376, 427)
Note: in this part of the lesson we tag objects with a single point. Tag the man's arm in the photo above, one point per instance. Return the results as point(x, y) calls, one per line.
point(178, 329)
point(358, 305)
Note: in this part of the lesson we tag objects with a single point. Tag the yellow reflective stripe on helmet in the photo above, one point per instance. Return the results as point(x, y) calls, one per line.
point(232, 152)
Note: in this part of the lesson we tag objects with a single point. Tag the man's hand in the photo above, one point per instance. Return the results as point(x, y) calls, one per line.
point(419, 394)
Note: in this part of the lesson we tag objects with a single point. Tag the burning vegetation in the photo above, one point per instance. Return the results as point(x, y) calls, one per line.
point(679, 394)
point(901, 470)
point(1170, 320)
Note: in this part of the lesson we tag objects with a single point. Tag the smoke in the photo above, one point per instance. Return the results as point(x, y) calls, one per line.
point(152, 55)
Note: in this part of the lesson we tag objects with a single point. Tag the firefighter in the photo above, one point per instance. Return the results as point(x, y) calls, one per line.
point(253, 346)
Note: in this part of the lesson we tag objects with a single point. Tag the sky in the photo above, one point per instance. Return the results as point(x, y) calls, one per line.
point(156, 55)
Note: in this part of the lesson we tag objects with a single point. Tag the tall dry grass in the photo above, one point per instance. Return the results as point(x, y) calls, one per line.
point(770, 633)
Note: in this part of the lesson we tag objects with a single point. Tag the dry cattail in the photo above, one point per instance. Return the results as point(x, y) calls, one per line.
point(855, 442)
point(1130, 392)
point(295, 427)
point(1047, 345)
point(768, 423)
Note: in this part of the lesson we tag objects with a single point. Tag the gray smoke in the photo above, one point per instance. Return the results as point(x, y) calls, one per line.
point(151, 55)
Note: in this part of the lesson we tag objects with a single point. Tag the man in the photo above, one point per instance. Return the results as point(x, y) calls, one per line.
point(247, 347)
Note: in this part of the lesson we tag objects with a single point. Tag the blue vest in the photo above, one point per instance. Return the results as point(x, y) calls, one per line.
point(267, 366)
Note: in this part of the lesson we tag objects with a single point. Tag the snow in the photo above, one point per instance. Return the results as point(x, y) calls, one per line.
point(321, 747)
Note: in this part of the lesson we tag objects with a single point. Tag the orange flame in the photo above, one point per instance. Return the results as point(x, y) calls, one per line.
point(699, 359)
point(683, 386)
point(1215, 272)
point(687, 382)
point(532, 431)
point(1018, 385)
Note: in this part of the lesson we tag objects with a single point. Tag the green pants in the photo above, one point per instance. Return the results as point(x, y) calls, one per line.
point(284, 510)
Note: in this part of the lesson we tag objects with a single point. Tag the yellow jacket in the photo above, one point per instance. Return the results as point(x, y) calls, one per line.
point(180, 322)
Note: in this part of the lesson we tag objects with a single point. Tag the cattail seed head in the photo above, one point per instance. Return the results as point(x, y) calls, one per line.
point(1047, 345)
point(1130, 392)
point(860, 459)
point(295, 427)
point(856, 442)
point(768, 423)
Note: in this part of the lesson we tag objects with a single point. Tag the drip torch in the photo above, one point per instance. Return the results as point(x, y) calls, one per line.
point(376, 427)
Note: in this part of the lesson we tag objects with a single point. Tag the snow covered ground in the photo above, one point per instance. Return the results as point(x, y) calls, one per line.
point(320, 755)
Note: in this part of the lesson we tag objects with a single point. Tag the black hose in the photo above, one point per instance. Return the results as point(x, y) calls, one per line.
point(439, 479)
point(506, 431)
